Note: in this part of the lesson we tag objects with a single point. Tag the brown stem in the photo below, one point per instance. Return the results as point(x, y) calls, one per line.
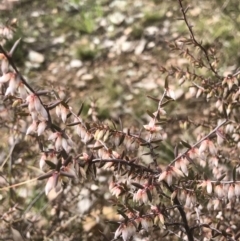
point(182, 213)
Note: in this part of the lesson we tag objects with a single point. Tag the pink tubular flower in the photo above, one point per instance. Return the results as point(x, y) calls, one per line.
point(146, 223)
point(193, 153)
point(171, 94)
point(13, 84)
point(58, 110)
point(32, 128)
point(182, 163)
point(231, 192)
point(140, 196)
point(219, 191)
point(42, 160)
point(41, 127)
point(5, 77)
point(152, 127)
point(22, 91)
point(34, 105)
point(4, 64)
point(62, 111)
point(126, 230)
point(53, 136)
point(51, 183)
point(207, 145)
point(237, 189)
point(30, 101)
point(116, 189)
point(34, 116)
point(203, 147)
point(208, 185)
point(60, 141)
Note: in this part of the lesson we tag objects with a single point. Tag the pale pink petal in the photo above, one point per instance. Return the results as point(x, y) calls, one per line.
point(161, 218)
point(183, 165)
point(209, 187)
point(237, 189)
point(43, 113)
point(125, 234)
point(118, 232)
point(4, 66)
point(65, 144)
point(53, 136)
point(37, 104)
point(144, 197)
point(145, 224)
point(41, 127)
point(42, 161)
point(9, 91)
point(5, 78)
point(29, 98)
point(58, 110)
point(64, 113)
point(30, 101)
point(13, 85)
point(171, 94)
point(162, 176)
point(231, 192)
point(50, 185)
point(34, 115)
point(58, 143)
point(169, 178)
point(188, 201)
point(22, 91)
point(203, 146)
point(177, 172)
point(32, 128)
point(212, 148)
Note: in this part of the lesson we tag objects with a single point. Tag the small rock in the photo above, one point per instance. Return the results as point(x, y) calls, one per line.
point(36, 57)
point(151, 45)
point(127, 46)
point(117, 18)
point(87, 77)
point(76, 63)
point(150, 31)
point(140, 47)
point(59, 40)
point(29, 40)
point(118, 4)
point(107, 44)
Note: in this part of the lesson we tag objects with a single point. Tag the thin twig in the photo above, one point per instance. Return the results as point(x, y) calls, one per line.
point(195, 40)
point(11, 62)
point(132, 164)
point(34, 201)
point(197, 143)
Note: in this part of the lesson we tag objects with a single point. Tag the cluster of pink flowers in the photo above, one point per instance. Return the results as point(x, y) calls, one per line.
point(116, 189)
point(169, 173)
point(126, 231)
point(60, 142)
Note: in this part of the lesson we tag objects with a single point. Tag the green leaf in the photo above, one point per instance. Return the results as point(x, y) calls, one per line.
point(234, 173)
point(123, 214)
point(80, 110)
point(135, 184)
point(185, 144)
point(149, 195)
point(50, 164)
